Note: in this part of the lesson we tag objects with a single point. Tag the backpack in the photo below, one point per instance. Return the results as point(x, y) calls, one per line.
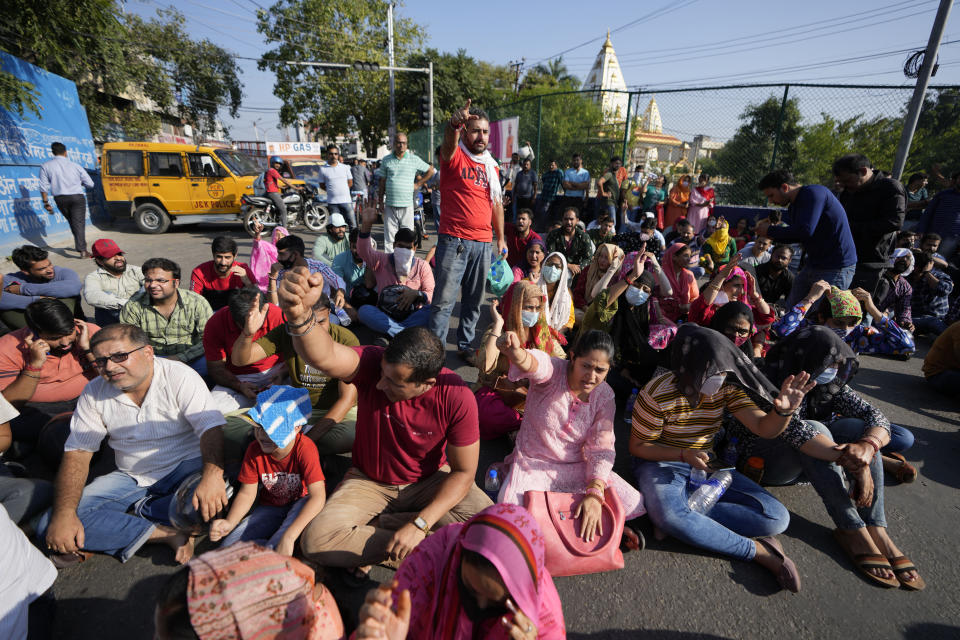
point(259, 186)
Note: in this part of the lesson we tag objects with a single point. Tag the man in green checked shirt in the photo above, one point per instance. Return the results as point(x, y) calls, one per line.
point(172, 318)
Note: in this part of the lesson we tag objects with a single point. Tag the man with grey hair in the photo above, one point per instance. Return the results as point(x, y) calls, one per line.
point(398, 182)
point(156, 414)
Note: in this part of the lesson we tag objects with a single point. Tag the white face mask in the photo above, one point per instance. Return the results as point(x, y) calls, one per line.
point(636, 297)
point(551, 274)
point(403, 260)
point(713, 384)
point(529, 318)
point(721, 299)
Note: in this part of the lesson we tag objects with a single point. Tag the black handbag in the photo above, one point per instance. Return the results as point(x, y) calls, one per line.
point(389, 302)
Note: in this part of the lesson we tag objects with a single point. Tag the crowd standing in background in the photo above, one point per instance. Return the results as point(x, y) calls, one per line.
point(230, 405)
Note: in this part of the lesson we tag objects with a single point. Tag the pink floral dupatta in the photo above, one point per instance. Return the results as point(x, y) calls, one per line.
point(507, 536)
point(263, 255)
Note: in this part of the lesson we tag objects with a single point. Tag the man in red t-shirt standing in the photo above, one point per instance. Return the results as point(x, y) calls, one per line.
point(472, 215)
point(216, 278)
point(417, 440)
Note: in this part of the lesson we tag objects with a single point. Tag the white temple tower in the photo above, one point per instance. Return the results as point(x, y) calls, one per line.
point(606, 74)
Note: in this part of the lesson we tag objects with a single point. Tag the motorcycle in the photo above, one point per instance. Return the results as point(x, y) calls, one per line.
point(301, 209)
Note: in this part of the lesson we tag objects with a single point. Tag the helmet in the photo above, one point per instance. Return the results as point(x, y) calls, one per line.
point(181, 514)
point(275, 160)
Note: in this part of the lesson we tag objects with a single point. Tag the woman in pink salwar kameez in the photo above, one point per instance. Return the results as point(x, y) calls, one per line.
point(566, 439)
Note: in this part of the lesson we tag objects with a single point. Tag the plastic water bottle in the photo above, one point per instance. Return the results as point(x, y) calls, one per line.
point(703, 499)
point(342, 316)
point(731, 453)
point(628, 410)
point(492, 480)
point(697, 478)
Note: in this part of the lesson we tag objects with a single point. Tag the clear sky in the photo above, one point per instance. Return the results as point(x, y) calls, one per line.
point(660, 43)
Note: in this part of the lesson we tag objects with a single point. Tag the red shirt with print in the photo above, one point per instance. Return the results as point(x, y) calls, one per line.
point(404, 442)
point(282, 481)
point(270, 180)
point(464, 191)
point(221, 332)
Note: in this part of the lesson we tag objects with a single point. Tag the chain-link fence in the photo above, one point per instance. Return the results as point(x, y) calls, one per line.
point(734, 133)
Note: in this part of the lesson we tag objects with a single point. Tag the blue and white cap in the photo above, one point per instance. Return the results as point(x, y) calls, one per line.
point(280, 410)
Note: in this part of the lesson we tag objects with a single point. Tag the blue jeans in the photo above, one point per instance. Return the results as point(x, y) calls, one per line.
point(744, 511)
point(783, 465)
point(23, 497)
point(840, 278)
point(380, 322)
point(851, 430)
point(200, 366)
point(346, 208)
point(265, 523)
point(104, 505)
point(929, 324)
point(462, 266)
point(612, 212)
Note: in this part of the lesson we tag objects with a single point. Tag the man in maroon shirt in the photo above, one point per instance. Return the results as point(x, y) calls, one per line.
point(518, 236)
point(417, 440)
point(214, 280)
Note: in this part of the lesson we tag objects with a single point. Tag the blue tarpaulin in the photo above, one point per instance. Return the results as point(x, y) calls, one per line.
point(25, 145)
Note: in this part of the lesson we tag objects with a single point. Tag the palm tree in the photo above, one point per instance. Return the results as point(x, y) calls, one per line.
point(553, 74)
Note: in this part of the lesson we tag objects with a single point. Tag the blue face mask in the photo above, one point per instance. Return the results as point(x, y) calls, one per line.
point(636, 297)
point(529, 318)
point(827, 376)
point(551, 274)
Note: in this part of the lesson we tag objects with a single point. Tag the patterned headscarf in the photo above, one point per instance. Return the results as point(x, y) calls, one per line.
point(280, 410)
point(510, 538)
point(540, 336)
point(246, 591)
point(843, 304)
point(647, 277)
point(611, 251)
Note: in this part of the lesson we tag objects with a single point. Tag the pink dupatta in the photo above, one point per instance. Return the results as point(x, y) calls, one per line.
point(263, 255)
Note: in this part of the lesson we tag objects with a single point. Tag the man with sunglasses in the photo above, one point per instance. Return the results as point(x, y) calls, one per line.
point(172, 318)
point(336, 180)
point(43, 369)
point(156, 415)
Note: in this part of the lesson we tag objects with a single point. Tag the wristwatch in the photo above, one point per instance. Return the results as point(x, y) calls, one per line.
point(421, 524)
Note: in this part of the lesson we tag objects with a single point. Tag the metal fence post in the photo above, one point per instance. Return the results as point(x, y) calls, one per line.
point(626, 131)
point(539, 120)
point(776, 140)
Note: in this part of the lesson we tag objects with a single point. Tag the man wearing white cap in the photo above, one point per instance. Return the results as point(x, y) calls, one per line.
point(334, 242)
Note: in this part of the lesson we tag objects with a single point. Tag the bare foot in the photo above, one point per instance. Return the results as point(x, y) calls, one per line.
point(181, 543)
point(889, 550)
point(860, 542)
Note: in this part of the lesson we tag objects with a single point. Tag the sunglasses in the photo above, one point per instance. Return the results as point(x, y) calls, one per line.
point(116, 357)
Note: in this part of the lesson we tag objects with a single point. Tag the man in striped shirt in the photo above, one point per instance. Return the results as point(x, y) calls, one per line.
point(158, 417)
point(398, 182)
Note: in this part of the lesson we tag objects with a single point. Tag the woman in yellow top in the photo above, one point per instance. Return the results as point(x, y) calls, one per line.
point(719, 248)
point(675, 419)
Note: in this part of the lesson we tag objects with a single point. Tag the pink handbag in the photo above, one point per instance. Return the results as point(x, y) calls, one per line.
point(567, 554)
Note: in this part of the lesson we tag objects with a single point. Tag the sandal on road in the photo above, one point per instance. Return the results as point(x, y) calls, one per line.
point(788, 577)
point(902, 565)
point(906, 472)
point(866, 561)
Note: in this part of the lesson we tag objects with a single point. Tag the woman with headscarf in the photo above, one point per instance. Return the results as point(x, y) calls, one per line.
point(263, 254)
point(500, 401)
point(639, 277)
point(246, 591)
point(555, 282)
point(485, 578)
point(897, 300)
point(719, 249)
point(731, 284)
point(702, 199)
point(529, 270)
point(860, 520)
point(735, 320)
point(677, 201)
point(683, 283)
point(566, 440)
point(842, 312)
point(607, 258)
point(675, 419)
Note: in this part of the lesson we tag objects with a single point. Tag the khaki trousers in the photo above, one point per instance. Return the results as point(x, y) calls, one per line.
point(361, 517)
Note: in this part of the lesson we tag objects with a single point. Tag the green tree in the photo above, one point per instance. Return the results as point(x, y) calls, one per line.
point(746, 157)
point(820, 144)
point(937, 138)
point(334, 101)
point(554, 74)
point(117, 61)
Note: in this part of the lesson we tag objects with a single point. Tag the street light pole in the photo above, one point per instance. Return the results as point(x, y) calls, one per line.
point(393, 110)
point(430, 93)
point(923, 79)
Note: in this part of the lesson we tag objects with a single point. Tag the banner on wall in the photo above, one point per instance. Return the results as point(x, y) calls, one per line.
point(25, 144)
point(503, 138)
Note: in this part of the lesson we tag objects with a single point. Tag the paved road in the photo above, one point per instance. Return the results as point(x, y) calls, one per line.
point(669, 591)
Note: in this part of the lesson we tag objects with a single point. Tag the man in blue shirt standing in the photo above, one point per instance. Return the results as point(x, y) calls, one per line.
point(576, 183)
point(66, 180)
point(817, 220)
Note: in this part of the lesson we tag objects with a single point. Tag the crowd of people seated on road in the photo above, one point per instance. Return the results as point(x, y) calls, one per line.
point(295, 406)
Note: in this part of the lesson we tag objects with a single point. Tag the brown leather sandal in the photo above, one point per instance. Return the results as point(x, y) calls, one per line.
point(866, 561)
point(906, 472)
point(902, 565)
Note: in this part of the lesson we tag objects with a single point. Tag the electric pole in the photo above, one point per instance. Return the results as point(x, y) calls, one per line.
point(517, 66)
point(393, 110)
point(923, 79)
